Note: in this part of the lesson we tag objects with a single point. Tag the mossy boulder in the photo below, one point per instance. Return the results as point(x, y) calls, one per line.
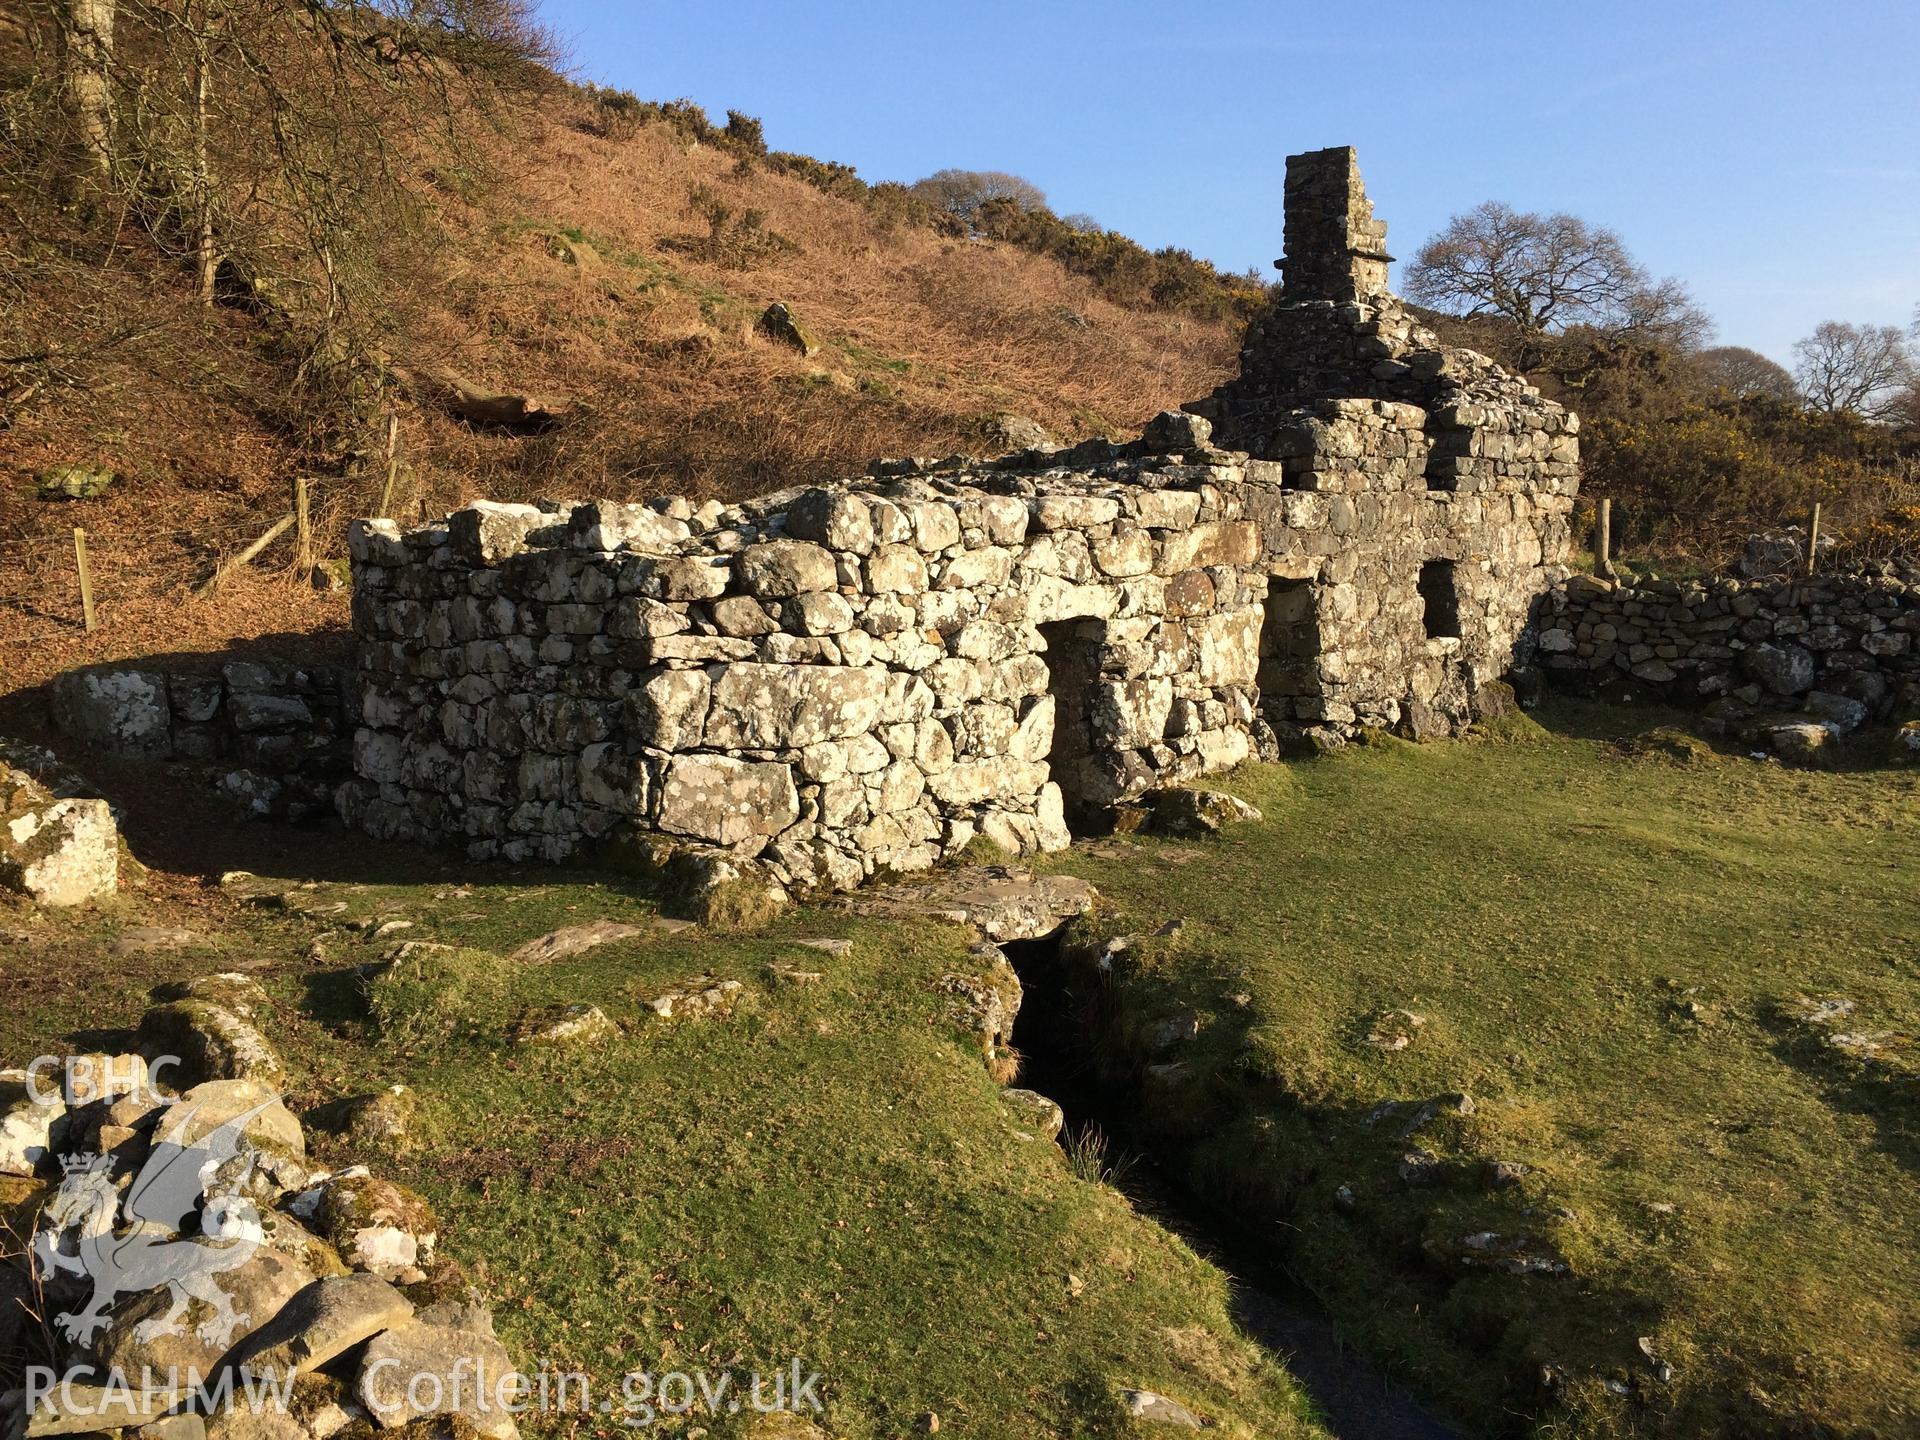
point(55, 851)
point(1804, 743)
point(430, 993)
point(710, 887)
point(229, 989)
point(1189, 811)
point(292, 1239)
point(377, 1226)
point(386, 1118)
point(779, 324)
point(1671, 744)
point(73, 482)
point(1034, 1111)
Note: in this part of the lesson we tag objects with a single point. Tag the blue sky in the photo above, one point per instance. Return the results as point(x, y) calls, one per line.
point(1766, 153)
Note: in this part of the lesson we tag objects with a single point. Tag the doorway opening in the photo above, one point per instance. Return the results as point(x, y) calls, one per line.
point(1289, 650)
point(1073, 663)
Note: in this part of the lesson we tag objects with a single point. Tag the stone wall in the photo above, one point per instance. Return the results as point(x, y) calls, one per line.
point(1421, 454)
point(278, 733)
point(866, 675)
point(1840, 650)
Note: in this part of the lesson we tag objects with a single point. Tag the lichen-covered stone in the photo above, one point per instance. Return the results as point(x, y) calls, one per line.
point(719, 799)
point(320, 1323)
point(785, 567)
point(565, 1025)
point(418, 1369)
point(1035, 1112)
point(256, 1291)
point(377, 1226)
point(697, 1000)
point(56, 852)
point(117, 711)
point(26, 1128)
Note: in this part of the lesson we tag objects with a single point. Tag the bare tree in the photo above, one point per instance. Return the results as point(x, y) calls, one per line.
point(88, 38)
point(961, 193)
point(1549, 273)
point(1742, 372)
point(288, 153)
point(1855, 369)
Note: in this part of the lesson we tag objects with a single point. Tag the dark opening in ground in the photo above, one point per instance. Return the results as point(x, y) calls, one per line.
point(1058, 1025)
point(1440, 599)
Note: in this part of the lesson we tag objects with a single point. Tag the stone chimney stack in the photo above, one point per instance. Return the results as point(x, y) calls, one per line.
point(1336, 250)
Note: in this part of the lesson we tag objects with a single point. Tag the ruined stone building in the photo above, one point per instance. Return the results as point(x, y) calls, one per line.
point(868, 674)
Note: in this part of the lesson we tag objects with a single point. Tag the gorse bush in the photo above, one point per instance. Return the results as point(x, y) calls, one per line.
point(1125, 271)
point(744, 132)
point(734, 241)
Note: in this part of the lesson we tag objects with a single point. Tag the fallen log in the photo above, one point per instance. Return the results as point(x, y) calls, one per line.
point(227, 567)
point(488, 410)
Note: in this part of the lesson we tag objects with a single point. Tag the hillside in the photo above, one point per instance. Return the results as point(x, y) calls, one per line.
point(620, 268)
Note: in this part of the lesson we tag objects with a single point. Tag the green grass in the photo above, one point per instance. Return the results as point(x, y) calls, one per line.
point(1608, 933)
point(829, 1172)
point(1609, 946)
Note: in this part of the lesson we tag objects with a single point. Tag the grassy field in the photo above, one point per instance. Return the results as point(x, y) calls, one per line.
point(1670, 992)
point(828, 1172)
point(1617, 953)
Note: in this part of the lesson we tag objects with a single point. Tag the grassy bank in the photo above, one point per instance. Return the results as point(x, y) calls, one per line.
point(827, 1172)
point(1703, 1216)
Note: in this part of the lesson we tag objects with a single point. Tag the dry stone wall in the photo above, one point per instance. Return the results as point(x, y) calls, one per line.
point(866, 675)
point(1841, 651)
point(275, 734)
point(852, 678)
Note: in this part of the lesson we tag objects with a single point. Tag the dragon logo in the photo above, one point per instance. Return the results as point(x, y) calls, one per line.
point(132, 1244)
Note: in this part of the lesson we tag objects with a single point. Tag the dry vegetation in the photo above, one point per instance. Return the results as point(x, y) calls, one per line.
point(618, 268)
point(590, 287)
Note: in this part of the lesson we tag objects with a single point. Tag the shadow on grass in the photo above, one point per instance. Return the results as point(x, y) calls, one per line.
point(1883, 1087)
point(1605, 717)
point(101, 1040)
point(336, 999)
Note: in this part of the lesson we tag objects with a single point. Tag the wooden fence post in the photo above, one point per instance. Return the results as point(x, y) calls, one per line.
point(1603, 540)
point(1813, 539)
point(302, 527)
point(86, 577)
point(393, 466)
